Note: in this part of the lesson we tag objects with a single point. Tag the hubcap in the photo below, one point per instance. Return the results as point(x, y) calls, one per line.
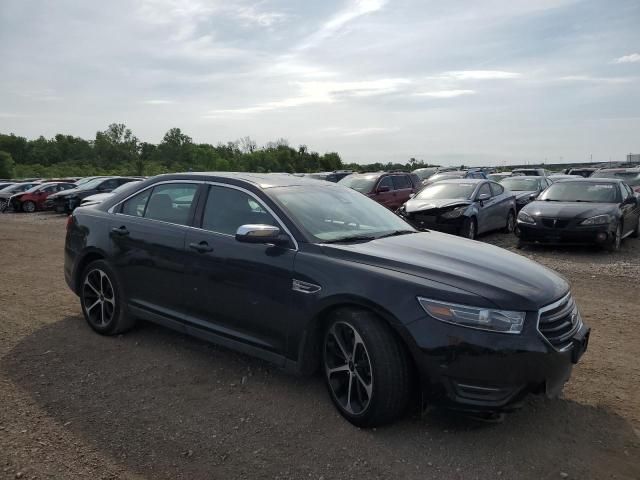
point(29, 207)
point(348, 368)
point(98, 298)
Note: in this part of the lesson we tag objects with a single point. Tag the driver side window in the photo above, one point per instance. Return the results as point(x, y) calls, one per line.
point(227, 209)
point(484, 189)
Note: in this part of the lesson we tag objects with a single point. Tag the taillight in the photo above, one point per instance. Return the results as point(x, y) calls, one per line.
point(69, 221)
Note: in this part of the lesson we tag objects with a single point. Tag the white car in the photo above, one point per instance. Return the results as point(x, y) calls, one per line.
point(101, 197)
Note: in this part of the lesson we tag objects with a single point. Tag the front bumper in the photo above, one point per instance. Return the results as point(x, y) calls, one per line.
point(478, 371)
point(577, 235)
point(436, 222)
point(65, 204)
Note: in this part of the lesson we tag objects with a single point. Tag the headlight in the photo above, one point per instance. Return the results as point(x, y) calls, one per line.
point(502, 321)
point(597, 220)
point(455, 213)
point(526, 218)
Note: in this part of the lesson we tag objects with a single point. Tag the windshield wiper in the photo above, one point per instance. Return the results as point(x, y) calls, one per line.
point(396, 233)
point(352, 238)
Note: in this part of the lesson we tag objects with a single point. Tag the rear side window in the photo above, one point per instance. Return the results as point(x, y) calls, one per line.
point(171, 202)
point(227, 209)
point(496, 189)
point(109, 184)
point(386, 182)
point(136, 205)
point(400, 182)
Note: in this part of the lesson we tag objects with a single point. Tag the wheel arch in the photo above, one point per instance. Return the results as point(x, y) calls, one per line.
point(90, 255)
point(310, 345)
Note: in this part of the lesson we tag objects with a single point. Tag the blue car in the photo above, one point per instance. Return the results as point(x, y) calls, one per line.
point(466, 207)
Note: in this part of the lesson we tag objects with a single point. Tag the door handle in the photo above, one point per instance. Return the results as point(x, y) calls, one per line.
point(122, 231)
point(202, 247)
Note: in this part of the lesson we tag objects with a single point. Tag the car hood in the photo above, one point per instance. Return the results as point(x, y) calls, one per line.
point(568, 210)
point(417, 205)
point(7, 196)
point(507, 280)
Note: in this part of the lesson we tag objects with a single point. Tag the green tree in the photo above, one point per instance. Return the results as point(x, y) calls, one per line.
point(6, 165)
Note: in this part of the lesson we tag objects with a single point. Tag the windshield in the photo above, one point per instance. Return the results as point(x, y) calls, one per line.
point(568, 191)
point(424, 173)
point(332, 213)
point(446, 176)
point(630, 178)
point(520, 184)
point(90, 185)
point(446, 190)
point(361, 183)
point(19, 187)
point(85, 180)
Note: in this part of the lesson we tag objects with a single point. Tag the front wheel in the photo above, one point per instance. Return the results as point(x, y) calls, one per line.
point(28, 207)
point(3, 205)
point(616, 241)
point(470, 228)
point(366, 368)
point(102, 300)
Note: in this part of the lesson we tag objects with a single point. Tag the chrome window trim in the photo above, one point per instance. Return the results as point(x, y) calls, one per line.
point(112, 209)
point(575, 329)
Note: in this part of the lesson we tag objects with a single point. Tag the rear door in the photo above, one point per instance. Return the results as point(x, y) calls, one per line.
point(403, 188)
point(503, 204)
point(147, 237)
point(238, 291)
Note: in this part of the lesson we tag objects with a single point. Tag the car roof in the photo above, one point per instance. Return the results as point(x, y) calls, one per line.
point(594, 180)
point(261, 180)
point(462, 180)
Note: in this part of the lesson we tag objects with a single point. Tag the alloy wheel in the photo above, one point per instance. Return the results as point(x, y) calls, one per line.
point(29, 207)
point(618, 238)
point(3, 205)
point(348, 368)
point(98, 297)
point(472, 230)
point(510, 222)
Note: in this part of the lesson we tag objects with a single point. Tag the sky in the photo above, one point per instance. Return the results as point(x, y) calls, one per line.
point(448, 82)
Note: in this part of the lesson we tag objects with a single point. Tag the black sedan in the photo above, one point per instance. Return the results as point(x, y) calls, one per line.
point(582, 211)
point(67, 201)
point(525, 188)
point(466, 207)
point(315, 276)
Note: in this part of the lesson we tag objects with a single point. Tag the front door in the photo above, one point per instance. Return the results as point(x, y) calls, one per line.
point(237, 290)
point(403, 188)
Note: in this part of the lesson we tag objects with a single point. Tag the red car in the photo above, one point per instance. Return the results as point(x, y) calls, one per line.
point(391, 189)
point(34, 198)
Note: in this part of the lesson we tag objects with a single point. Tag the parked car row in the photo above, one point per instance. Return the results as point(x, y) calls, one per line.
point(61, 195)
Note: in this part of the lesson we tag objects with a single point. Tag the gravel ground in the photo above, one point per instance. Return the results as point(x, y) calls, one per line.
point(155, 404)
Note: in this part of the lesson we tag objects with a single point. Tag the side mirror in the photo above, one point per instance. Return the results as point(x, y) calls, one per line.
point(484, 196)
point(411, 195)
point(260, 234)
point(383, 189)
point(533, 196)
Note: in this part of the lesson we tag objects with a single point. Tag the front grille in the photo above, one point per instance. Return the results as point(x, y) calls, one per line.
point(554, 223)
point(559, 322)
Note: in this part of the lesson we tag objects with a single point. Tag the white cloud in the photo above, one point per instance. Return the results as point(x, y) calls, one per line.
point(251, 15)
point(158, 102)
point(355, 9)
point(322, 92)
point(357, 132)
point(481, 75)
point(632, 58)
point(590, 79)
point(445, 93)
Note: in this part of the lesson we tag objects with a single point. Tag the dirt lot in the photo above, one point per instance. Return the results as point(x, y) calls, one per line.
point(155, 404)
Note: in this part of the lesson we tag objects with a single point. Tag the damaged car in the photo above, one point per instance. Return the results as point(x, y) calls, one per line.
point(466, 207)
point(525, 188)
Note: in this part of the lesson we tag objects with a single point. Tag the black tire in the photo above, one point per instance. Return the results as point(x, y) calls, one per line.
point(3, 205)
point(470, 228)
point(29, 207)
point(385, 378)
point(519, 244)
point(102, 300)
point(615, 243)
point(511, 222)
point(636, 232)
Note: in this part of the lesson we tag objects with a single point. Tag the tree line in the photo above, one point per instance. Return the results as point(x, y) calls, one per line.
point(117, 151)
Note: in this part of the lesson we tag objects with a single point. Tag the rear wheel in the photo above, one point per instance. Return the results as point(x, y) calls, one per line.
point(366, 368)
point(511, 222)
point(3, 205)
point(28, 207)
point(470, 228)
point(102, 299)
